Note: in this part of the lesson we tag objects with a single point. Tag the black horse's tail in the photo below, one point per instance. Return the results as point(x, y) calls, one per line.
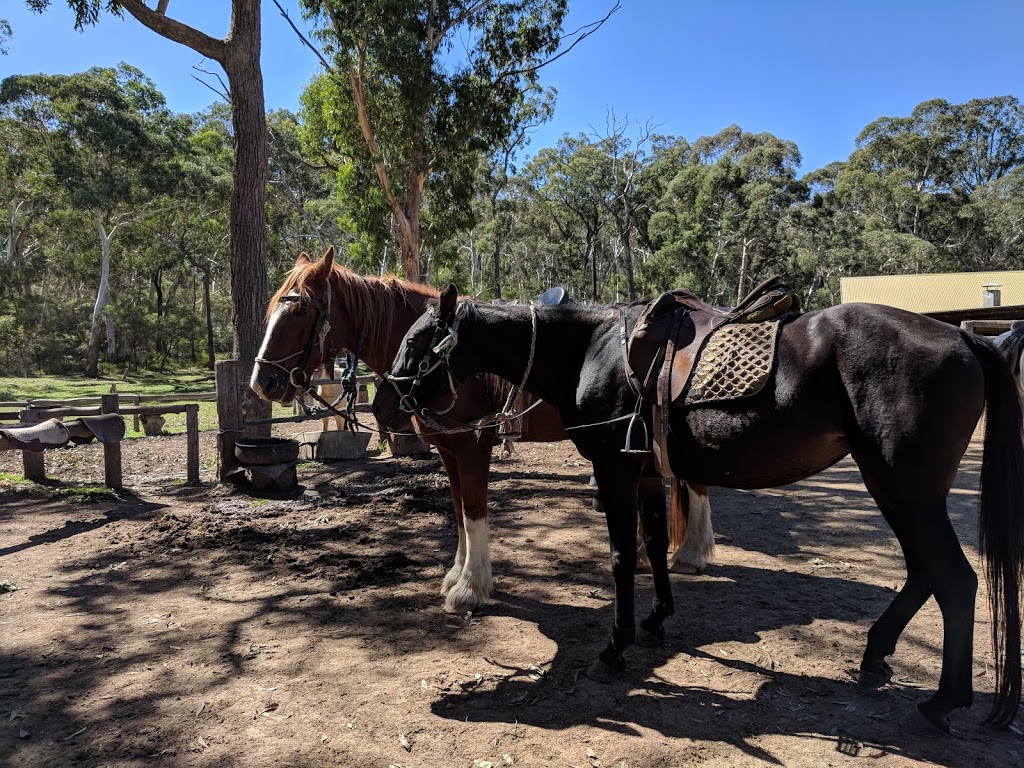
point(1001, 526)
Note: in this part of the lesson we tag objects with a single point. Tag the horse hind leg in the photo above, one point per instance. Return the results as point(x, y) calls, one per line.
point(654, 530)
point(698, 546)
point(874, 670)
point(936, 565)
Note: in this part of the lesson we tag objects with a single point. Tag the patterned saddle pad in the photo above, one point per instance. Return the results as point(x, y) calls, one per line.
point(736, 362)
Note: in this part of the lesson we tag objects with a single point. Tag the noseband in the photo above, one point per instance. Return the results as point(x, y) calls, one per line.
point(438, 353)
point(297, 375)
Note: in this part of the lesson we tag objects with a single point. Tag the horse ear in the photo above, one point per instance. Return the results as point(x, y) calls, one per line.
point(303, 260)
point(323, 267)
point(449, 298)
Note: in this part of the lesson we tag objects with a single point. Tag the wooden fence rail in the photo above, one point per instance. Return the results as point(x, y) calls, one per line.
point(35, 463)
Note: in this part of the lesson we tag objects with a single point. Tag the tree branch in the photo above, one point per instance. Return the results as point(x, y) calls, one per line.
point(224, 93)
point(302, 37)
point(432, 40)
point(188, 36)
point(591, 29)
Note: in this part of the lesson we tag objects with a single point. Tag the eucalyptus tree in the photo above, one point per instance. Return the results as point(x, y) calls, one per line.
point(415, 92)
point(24, 198)
point(725, 207)
point(912, 180)
point(572, 181)
point(238, 53)
point(113, 146)
point(499, 171)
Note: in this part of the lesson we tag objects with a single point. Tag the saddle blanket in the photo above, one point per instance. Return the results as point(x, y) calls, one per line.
point(736, 362)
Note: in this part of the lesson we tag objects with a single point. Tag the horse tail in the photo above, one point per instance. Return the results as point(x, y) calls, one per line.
point(678, 514)
point(1001, 525)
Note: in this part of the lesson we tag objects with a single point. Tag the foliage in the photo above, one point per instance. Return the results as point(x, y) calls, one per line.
point(941, 189)
point(415, 94)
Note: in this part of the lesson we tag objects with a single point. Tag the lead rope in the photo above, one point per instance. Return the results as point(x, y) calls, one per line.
point(508, 414)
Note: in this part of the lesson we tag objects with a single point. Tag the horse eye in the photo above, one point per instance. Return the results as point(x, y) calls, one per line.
point(301, 311)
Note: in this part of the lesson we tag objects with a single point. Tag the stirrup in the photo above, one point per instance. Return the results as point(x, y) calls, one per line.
point(629, 435)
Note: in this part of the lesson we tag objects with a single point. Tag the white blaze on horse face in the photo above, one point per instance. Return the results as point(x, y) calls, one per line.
point(275, 316)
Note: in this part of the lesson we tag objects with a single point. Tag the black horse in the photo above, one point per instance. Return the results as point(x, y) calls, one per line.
point(900, 392)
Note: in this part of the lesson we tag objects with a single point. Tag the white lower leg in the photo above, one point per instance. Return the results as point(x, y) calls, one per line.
point(698, 547)
point(474, 584)
point(460, 560)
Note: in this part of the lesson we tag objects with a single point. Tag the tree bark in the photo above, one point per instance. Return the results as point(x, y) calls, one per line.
point(210, 356)
point(239, 55)
point(92, 356)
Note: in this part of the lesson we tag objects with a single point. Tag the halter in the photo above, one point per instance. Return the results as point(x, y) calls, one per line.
point(297, 376)
point(442, 344)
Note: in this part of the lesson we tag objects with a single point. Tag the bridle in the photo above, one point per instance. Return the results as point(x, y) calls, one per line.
point(322, 331)
point(438, 353)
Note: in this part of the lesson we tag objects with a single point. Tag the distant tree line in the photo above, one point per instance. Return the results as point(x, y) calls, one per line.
point(115, 228)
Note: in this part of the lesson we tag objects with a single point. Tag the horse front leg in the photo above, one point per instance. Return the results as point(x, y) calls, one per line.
point(470, 581)
point(617, 492)
point(451, 467)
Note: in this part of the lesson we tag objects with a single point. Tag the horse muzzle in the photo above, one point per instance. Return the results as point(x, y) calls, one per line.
point(272, 385)
point(386, 408)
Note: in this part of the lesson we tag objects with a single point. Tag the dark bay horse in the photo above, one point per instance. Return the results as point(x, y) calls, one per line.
point(369, 316)
point(899, 392)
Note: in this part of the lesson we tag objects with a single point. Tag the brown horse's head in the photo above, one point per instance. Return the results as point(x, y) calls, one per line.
point(298, 338)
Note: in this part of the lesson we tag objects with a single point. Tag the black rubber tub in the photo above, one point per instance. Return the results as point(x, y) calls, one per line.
point(266, 450)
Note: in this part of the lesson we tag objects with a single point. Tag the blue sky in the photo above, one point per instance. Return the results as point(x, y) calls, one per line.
point(815, 73)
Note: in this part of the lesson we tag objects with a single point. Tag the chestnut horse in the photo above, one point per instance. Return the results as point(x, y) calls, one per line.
point(369, 316)
point(900, 392)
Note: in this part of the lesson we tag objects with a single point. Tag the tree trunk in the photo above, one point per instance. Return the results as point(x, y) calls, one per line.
point(741, 286)
point(627, 245)
point(496, 262)
point(108, 321)
point(239, 55)
point(411, 232)
point(248, 224)
point(92, 357)
point(210, 356)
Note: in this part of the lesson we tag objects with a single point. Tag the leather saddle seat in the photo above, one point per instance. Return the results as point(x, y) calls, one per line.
point(668, 337)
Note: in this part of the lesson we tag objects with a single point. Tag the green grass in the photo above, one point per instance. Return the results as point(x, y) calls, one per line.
point(87, 494)
point(10, 477)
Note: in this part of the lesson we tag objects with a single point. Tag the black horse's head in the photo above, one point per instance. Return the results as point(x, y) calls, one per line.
point(422, 374)
point(298, 339)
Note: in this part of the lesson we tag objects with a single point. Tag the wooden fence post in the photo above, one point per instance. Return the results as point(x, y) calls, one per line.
point(111, 451)
point(192, 435)
point(34, 463)
point(229, 415)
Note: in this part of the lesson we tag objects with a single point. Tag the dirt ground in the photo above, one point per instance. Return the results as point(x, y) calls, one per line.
point(201, 627)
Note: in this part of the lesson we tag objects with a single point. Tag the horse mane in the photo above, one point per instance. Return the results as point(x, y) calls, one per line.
point(369, 298)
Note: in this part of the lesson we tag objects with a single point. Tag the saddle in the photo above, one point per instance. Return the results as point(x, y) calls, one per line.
point(670, 335)
point(54, 433)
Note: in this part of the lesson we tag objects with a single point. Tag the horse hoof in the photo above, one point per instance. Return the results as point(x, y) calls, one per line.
point(874, 678)
point(600, 672)
point(650, 639)
point(918, 723)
